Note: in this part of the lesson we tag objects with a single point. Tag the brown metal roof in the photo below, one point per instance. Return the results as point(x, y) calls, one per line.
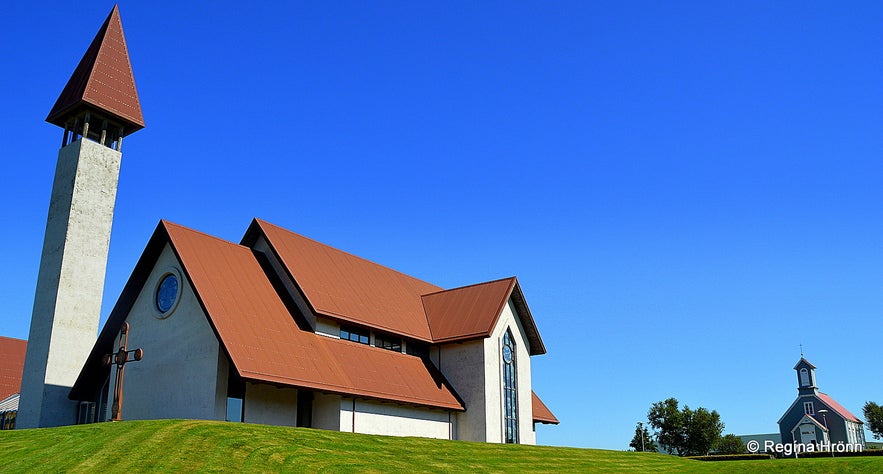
point(470, 311)
point(261, 337)
point(349, 288)
point(103, 80)
point(12, 364)
point(541, 413)
point(265, 343)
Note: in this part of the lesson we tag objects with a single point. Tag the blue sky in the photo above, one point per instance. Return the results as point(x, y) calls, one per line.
point(687, 191)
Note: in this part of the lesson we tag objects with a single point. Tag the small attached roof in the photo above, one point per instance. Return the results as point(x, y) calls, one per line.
point(12, 364)
point(348, 288)
point(838, 408)
point(541, 413)
point(103, 81)
point(811, 420)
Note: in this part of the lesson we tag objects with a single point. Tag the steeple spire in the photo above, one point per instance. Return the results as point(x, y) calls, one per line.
point(97, 108)
point(100, 101)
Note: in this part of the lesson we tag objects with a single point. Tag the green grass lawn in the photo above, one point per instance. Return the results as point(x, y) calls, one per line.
point(186, 445)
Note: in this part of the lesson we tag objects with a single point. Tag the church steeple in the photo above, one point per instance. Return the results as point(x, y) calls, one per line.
point(97, 108)
point(806, 377)
point(100, 101)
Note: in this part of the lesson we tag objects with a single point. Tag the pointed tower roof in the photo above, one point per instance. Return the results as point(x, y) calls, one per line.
point(103, 80)
point(803, 361)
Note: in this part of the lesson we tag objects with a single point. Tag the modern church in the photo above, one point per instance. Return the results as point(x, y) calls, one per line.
point(276, 329)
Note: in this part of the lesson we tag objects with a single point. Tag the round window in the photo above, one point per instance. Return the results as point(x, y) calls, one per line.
point(507, 354)
point(167, 293)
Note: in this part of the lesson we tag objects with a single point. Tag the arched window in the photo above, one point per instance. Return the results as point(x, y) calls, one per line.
point(510, 389)
point(804, 377)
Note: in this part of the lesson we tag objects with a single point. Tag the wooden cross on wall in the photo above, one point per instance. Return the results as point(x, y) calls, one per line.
point(120, 359)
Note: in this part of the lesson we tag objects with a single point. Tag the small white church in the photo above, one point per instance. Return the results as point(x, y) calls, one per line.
point(276, 329)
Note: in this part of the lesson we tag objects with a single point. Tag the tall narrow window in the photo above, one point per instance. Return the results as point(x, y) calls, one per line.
point(510, 389)
point(808, 408)
point(804, 377)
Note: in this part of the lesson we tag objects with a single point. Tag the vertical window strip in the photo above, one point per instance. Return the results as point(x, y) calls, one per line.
point(510, 389)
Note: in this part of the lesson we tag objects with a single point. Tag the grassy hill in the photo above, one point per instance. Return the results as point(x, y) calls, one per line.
point(206, 446)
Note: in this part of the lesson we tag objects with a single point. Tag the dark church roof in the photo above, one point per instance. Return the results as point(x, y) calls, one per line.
point(103, 80)
point(259, 329)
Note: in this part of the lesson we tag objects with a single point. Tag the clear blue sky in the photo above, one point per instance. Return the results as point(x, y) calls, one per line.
point(687, 191)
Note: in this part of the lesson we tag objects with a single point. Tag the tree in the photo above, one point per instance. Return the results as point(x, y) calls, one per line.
point(874, 416)
point(666, 418)
point(730, 444)
point(684, 432)
point(642, 440)
point(703, 430)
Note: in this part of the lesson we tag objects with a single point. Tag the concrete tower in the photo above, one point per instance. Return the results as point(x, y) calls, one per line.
point(97, 108)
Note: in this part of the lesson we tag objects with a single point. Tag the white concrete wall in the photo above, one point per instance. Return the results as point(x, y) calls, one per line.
point(475, 371)
point(336, 413)
point(463, 365)
point(67, 302)
point(397, 420)
point(494, 366)
point(326, 412)
point(184, 372)
point(326, 327)
point(270, 405)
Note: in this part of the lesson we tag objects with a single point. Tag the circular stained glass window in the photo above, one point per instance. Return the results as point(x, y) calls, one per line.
point(507, 354)
point(167, 293)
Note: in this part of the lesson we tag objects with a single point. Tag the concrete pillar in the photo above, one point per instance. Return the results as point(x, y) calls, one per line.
point(67, 303)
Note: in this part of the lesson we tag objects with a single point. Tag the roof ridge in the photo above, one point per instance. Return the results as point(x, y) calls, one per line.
point(363, 259)
point(470, 286)
point(167, 223)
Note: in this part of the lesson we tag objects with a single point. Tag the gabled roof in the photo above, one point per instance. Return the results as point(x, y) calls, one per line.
point(247, 309)
point(541, 413)
point(103, 80)
point(811, 420)
point(468, 311)
point(472, 311)
point(348, 288)
point(12, 363)
point(803, 361)
point(838, 408)
point(260, 336)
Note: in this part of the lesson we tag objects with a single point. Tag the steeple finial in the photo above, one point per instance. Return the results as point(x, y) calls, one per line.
point(801, 351)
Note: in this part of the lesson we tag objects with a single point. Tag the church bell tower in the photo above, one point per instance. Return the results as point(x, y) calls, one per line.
point(97, 108)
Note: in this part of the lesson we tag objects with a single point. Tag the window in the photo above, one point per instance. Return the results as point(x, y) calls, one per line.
point(804, 377)
point(808, 408)
point(510, 389)
point(354, 334)
point(390, 343)
point(417, 349)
